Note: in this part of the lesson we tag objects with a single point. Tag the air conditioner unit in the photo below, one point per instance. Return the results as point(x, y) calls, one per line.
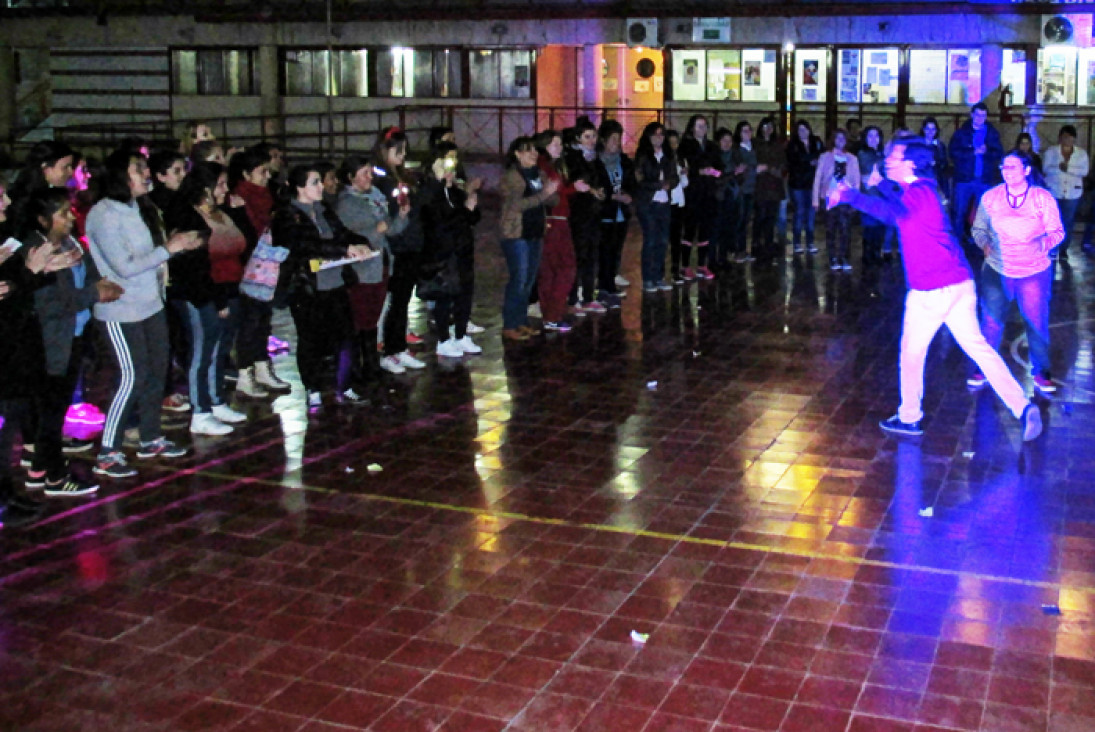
point(1066, 29)
point(642, 32)
point(710, 30)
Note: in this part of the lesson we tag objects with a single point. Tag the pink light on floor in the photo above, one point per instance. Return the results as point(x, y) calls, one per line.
point(85, 414)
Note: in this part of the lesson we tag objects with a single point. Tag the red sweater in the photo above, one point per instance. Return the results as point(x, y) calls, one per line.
point(259, 203)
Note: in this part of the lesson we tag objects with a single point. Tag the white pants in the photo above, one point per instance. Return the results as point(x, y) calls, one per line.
point(956, 307)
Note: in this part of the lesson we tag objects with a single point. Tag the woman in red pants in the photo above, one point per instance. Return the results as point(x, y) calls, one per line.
point(557, 263)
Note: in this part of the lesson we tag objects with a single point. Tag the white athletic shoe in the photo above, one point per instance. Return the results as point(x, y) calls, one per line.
point(226, 414)
point(450, 349)
point(205, 423)
point(406, 360)
point(622, 281)
point(474, 329)
point(467, 345)
point(392, 365)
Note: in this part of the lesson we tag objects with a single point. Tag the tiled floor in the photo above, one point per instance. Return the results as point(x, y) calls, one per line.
point(703, 467)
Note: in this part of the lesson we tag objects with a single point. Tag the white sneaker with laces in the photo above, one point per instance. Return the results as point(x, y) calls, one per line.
point(226, 414)
point(204, 423)
point(534, 310)
point(450, 349)
point(392, 365)
point(406, 360)
point(467, 345)
point(315, 399)
point(622, 281)
point(474, 329)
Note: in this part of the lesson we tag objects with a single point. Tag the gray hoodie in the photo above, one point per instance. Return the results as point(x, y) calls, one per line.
point(361, 211)
point(122, 248)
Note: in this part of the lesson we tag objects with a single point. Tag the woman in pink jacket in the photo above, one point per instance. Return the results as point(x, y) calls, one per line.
point(836, 165)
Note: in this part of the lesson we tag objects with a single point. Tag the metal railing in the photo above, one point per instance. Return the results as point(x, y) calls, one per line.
point(484, 132)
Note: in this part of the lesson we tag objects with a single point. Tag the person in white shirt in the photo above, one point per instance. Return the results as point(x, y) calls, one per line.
point(1065, 166)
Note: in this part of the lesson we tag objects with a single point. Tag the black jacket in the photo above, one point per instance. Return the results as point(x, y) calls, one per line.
point(190, 273)
point(58, 301)
point(585, 208)
point(610, 208)
point(651, 175)
point(701, 188)
point(449, 229)
point(22, 358)
point(802, 162)
point(293, 229)
point(411, 240)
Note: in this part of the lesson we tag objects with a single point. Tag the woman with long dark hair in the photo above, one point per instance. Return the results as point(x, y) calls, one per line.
point(449, 216)
point(704, 169)
point(871, 158)
point(401, 191)
point(836, 166)
point(771, 166)
point(525, 194)
point(318, 301)
point(615, 212)
point(655, 179)
point(1017, 226)
point(63, 305)
point(208, 301)
point(585, 214)
point(130, 248)
point(677, 252)
point(557, 264)
point(803, 152)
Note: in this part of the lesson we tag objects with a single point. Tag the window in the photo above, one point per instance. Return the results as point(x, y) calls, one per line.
point(811, 74)
point(1087, 66)
point(868, 75)
point(308, 73)
point(945, 76)
point(505, 74)
point(395, 72)
point(1014, 74)
point(1057, 75)
point(724, 75)
point(214, 71)
point(438, 73)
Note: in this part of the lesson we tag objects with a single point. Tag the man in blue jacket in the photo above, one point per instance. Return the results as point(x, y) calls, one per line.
point(941, 287)
point(976, 153)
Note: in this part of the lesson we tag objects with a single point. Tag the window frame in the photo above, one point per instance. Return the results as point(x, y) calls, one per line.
point(253, 82)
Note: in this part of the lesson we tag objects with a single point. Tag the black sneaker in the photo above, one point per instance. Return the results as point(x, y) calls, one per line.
point(834, 264)
point(114, 465)
point(26, 457)
point(351, 397)
point(895, 426)
point(1032, 422)
point(72, 445)
point(160, 447)
point(845, 264)
point(16, 513)
point(69, 487)
point(35, 479)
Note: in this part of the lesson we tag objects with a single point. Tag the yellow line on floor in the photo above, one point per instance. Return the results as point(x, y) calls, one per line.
point(681, 538)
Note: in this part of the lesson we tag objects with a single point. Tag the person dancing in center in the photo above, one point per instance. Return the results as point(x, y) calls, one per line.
point(941, 288)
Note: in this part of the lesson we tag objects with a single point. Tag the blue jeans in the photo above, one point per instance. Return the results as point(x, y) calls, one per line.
point(523, 262)
point(1033, 294)
point(1068, 208)
point(804, 217)
point(654, 221)
point(205, 337)
point(967, 195)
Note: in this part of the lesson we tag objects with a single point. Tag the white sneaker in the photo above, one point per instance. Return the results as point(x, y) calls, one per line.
point(450, 349)
point(406, 360)
point(622, 281)
point(392, 365)
point(207, 424)
point(315, 400)
point(534, 310)
point(467, 345)
point(226, 414)
point(474, 329)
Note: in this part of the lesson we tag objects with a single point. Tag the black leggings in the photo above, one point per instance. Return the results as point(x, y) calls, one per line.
point(400, 288)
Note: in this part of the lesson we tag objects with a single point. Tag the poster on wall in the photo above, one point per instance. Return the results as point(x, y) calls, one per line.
point(809, 72)
point(849, 75)
point(691, 71)
point(752, 74)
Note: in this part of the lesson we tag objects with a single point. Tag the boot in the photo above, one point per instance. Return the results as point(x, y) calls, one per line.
point(248, 386)
point(265, 376)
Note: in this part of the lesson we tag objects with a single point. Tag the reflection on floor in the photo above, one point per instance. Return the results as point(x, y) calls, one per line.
point(701, 471)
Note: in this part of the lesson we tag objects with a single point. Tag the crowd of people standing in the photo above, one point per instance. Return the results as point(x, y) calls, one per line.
point(182, 253)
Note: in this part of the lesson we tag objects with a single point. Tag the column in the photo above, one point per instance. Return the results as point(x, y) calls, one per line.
point(269, 89)
point(7, 92)
point(592, 61)
point(992, 65)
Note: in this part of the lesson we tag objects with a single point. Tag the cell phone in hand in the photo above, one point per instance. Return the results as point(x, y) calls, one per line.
point(12, 245)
